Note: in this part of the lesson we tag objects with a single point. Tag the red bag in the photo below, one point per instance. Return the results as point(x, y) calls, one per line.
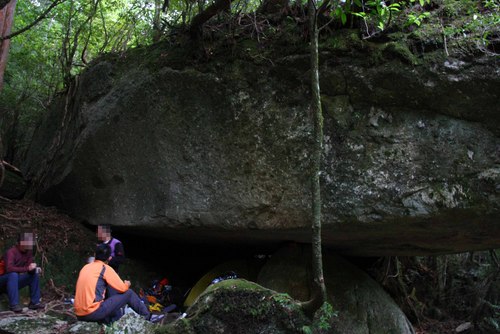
point(2, 267)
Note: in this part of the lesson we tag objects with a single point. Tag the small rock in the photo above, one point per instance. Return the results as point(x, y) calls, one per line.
point(463, 327)
point(454, 64)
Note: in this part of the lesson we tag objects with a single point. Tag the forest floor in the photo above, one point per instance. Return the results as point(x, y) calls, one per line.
point(63, 241)
point(57, 237)
point(431, 326)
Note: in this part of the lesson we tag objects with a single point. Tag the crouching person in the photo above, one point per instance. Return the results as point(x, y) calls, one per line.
point(93, 280)
point(21, 271)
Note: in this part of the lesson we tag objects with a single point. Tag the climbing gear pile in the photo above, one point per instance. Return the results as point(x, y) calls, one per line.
point(159, 296)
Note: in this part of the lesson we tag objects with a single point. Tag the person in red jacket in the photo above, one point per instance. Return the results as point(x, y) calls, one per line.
point(21, 271)
point(94, 278)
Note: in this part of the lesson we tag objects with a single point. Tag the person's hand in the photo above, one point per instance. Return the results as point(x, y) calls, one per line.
point(127, 283)
point(32, 266)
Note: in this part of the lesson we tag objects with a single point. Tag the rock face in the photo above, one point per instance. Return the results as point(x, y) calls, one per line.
point(45, 324)
point(411, 153)
point(362, 306)
point(13, 186)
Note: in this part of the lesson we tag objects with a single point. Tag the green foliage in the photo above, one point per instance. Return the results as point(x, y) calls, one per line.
point(458, 8)
point(30, 78)
point(416, 18)
point(322, 320)
point(378, 15)
point(282, 299)
point(474, 25)
point(324, 315)
point(43, 59)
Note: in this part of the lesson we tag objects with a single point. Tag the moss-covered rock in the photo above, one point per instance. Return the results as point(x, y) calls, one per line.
point(239, 306)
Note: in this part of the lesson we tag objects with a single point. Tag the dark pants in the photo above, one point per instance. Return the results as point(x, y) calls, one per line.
point(110, 309)
point(13, 282)
point(110, 292)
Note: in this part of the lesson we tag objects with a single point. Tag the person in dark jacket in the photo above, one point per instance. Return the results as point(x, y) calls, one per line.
point(117, 250)
point(21, 271)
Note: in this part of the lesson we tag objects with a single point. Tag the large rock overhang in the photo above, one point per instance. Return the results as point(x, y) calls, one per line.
point(411, 159)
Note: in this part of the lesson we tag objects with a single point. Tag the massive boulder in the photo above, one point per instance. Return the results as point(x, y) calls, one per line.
point(362, 306)
point(220, 150)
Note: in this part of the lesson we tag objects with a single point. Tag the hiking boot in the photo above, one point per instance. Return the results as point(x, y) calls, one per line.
point(154, 318)
point(16, 308)
point(38, 306)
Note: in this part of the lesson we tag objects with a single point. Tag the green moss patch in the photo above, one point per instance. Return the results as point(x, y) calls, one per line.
point(240, 306)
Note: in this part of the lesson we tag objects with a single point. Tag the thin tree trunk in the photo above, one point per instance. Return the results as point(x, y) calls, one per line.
point(2, 168)
point(6, 19)
point(319, 295)
point(157, 30)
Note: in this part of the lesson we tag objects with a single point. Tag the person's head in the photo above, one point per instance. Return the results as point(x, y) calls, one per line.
point(103, 232)
point(103, 252)
point(26, 240)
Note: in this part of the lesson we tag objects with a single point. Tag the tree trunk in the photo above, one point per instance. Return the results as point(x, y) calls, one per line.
point(319, 289)
point(157, 29)
point(195, 29)
point(2, 168)
point(6, 19)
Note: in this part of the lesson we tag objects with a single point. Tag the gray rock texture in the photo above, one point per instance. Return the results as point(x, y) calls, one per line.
point(46, 324)
point(220, 151)
point(362, 306)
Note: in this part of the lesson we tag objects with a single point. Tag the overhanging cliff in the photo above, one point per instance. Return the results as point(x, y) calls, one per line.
point(219, 150)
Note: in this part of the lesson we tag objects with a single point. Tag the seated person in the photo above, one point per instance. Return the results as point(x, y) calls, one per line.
point(21, 271)
point(93, 280)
